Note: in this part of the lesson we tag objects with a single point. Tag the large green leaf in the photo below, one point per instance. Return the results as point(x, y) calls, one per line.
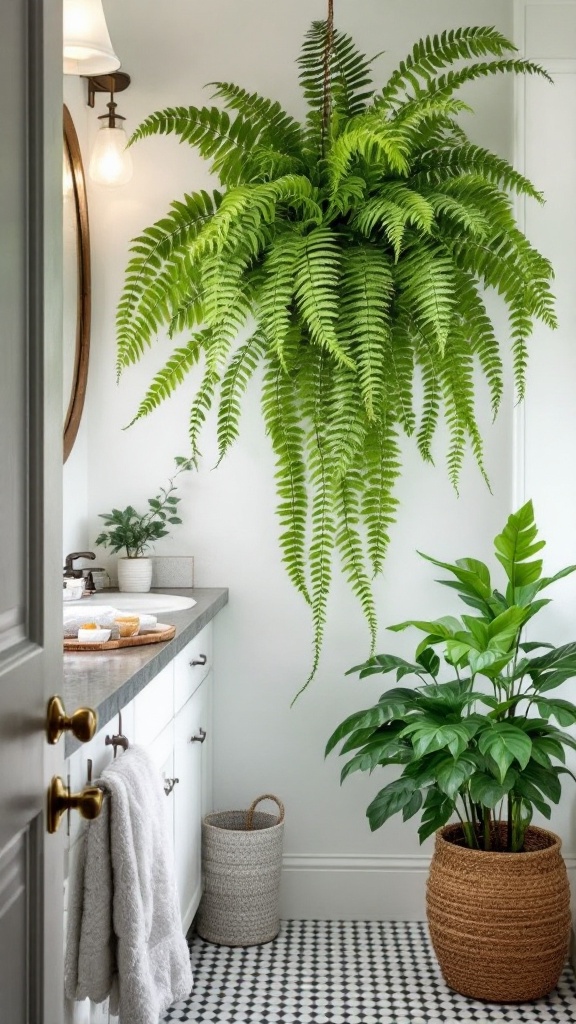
point(505, 743)
point(487, 791)
point(393, 798)
point(438, 809)
point(516, 545)
point(452, 774)
point(562, 710)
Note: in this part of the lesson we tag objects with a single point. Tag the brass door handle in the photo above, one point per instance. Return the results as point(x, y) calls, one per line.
point(82, 723)
point(60, 800)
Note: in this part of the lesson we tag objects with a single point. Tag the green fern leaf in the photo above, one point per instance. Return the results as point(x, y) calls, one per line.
point(434, 53)
point(282, 417)
point(233, 386)
point(170, 376)
point(367, 288)
point(382, 461)
point(153, 287)
point(347, 508)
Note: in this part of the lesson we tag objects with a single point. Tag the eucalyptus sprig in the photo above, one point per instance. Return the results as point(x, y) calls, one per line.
point(480, 746)
point(353, 250)
point(135, 531)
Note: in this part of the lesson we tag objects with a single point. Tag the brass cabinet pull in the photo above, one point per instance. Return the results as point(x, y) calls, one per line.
point(60, 799)
point(200, 738)
point(169, 785)
point(200, 660)
point(82, 723)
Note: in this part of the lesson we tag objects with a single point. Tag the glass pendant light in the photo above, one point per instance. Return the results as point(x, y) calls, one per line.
point(87, 46)
point(111, 162)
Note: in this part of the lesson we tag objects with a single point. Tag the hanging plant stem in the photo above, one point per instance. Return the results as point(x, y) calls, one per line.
point(327, 88)
point(351, 252)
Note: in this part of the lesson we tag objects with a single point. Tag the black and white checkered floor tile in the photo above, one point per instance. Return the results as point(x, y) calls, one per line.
point(334, 972)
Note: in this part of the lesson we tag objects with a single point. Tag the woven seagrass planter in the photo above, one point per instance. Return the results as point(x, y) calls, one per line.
point(499, 922)
point(242, 859)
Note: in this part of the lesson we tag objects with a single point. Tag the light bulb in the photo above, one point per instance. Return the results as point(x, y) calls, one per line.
point(87, 46)
point(111, 162)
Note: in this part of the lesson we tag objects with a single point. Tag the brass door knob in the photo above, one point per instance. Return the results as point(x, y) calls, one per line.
point(60, 800)
point(82, 724)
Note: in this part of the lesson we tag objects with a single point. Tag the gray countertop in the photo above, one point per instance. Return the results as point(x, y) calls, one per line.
point(108, 680)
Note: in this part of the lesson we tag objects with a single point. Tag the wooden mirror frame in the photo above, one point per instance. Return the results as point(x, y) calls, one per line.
point(83, 307)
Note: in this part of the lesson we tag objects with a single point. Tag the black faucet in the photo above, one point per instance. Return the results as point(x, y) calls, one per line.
point(69, 572)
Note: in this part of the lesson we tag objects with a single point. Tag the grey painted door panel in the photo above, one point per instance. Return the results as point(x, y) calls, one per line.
point(30, 506)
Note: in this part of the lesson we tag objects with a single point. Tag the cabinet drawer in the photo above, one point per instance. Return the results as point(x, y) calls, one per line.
point(191, 666)
point(154, 707)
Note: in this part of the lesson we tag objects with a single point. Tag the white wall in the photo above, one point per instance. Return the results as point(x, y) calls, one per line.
point(546, 448)
point(334, 866)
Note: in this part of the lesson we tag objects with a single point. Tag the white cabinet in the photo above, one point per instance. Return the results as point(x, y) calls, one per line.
point(171, 718)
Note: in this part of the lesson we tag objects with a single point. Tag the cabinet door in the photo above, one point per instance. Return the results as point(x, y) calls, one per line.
point(190, 726)
point(162, 753)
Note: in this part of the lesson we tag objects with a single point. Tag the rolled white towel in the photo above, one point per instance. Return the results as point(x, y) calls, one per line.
point(147, 623)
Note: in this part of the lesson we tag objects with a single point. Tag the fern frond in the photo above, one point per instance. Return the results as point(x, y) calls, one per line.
point(233, 386)
point(322, 519)
point(482, 339)
point(431, 399)
point(348, 497)
point(375, 141)
point(170, 376)
point(153, 285)
point(276, 129)
point(425, 279)
point(447, 85)
point(392, 209)
point(400, 377)
point(277, 290)
point(440, 163)
point(316, 284)
point(346, 421)
point(430, 55)
point(199, 410)
point(282, 417)
point(457, 380)
point(367, 289)
point(382, 462)
point(350, 79)
point(224, 141)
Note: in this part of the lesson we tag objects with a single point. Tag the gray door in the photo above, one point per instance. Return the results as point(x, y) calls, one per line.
point(31, 863)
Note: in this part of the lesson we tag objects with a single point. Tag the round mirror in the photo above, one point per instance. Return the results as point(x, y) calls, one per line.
point(76, 285)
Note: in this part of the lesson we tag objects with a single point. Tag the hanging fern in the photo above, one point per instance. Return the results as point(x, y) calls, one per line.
point(355, 247)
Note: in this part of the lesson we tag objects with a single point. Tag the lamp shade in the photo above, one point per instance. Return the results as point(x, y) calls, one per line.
point(111, 162)
point(87, 46)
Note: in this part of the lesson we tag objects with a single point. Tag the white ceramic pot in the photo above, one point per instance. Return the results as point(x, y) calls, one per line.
point(134, 575)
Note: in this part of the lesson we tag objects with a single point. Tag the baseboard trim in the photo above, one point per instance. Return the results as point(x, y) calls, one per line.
point(351, 887)
point(354, 862)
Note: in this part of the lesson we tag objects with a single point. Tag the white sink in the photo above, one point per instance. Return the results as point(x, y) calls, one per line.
point(151, 604)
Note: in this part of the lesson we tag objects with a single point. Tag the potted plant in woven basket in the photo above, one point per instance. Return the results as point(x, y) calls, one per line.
point(480, 751)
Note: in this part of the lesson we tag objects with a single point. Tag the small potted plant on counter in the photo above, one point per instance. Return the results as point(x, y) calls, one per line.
point(134, 532)
point(481, 750)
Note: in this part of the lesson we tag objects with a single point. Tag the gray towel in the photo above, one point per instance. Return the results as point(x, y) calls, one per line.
point(124, 934)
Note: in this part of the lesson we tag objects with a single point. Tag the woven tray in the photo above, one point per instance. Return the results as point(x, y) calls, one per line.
point(162, 632)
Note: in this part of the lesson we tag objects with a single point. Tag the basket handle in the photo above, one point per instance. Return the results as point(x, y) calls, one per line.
point(252, 808)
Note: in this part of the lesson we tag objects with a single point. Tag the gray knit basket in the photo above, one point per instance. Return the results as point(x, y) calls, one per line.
point(242, 861)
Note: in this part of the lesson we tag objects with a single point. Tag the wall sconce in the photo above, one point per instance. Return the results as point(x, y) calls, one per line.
point(110, 163)
point(87, 46)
